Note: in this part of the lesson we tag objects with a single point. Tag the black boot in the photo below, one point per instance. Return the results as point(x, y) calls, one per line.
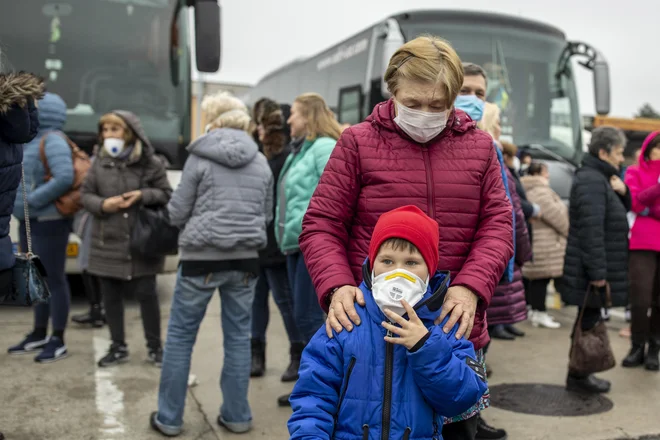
point(499, 332)
point(515, 331)
point(487, 432)
point(652, 361)
point(587, 384)
point(284, 400)
point(291, 373)
point(258, 358)
point(635, 357)
point(95, 317)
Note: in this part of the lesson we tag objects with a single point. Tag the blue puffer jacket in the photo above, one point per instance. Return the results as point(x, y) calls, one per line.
point(41, 195)
point(355, 385)
point(18, 124)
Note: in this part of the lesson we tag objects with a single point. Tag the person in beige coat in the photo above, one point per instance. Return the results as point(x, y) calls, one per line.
point(549, 242)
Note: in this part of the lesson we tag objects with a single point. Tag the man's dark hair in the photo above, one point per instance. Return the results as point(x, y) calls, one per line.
point(471, 69)
point(605, 138)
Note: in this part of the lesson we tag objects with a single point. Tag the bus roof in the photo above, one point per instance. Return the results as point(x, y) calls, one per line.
point(438, 15)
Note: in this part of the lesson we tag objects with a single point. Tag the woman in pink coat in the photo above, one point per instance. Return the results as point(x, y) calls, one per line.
point(643, 180)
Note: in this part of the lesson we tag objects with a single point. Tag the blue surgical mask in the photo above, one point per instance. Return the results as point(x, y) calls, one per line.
point(471, 105)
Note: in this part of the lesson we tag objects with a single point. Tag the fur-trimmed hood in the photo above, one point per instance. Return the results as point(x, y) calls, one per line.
point(17, 88)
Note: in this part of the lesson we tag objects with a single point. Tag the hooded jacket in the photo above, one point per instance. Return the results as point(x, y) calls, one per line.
point(357, 386)
point(597, 247)
point(550, 230)
point(225, 198)
point(643, 180)
point(41, 195)
point(455, 178)
point(19, 124)
point(509, 304)
point(110, 254)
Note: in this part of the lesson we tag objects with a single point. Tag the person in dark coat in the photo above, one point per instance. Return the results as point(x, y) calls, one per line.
point(597, 249)
point(125, 175)
point(19, 124)
point(272, 132)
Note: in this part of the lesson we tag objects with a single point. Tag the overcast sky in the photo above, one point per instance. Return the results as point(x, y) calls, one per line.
point(260, 35)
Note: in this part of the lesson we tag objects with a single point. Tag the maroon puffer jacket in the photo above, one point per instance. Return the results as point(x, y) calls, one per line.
point(508, 305)
point(376, 167)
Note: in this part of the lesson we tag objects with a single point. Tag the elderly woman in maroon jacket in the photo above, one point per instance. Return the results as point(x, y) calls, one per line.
point(414, 149)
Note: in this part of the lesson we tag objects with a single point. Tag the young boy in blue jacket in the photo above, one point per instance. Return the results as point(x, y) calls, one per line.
point(395, 376)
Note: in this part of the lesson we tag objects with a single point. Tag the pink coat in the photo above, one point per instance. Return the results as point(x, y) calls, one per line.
point(455, 178)
point(642, 181)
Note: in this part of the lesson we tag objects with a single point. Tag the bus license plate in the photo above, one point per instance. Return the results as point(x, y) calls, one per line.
point(72, 250)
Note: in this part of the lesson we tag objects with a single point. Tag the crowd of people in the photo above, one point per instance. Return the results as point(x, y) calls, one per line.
point(394, 249)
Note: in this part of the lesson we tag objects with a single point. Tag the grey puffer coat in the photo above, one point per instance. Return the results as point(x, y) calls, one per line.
point(110, 254)
point(225, 199)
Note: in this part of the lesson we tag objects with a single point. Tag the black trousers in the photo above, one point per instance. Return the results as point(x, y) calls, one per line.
point(536, 291)
point(644, 271)
point(92, 288)
point(464, 430)
point(144, 289)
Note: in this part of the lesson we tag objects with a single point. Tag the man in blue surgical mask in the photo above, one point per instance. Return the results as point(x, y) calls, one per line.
point(471, 100)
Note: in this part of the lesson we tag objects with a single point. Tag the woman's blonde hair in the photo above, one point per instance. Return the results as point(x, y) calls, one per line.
point(237, 119)
point(490, 119)
point(219, 103)
point(321, 121)
point(113, 118)
point(426, 59)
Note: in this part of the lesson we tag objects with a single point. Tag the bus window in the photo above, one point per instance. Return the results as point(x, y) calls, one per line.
point(350, 105)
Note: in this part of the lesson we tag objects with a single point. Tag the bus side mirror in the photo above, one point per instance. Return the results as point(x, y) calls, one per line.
point(207, 35)
point(602, 86)
point(393, 41)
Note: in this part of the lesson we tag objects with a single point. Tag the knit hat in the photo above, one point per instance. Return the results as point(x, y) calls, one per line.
point(411, 224)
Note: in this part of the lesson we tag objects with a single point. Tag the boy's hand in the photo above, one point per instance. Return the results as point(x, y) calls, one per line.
point(410, 332)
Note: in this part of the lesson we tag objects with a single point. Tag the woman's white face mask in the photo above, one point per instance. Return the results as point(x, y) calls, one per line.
point(389, 288)
point(113, 146)
point(419, 125)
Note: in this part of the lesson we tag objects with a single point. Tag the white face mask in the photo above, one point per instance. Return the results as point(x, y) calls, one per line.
point(113, 146)
point(391, 287)
point(419, 125)
point(516, 164)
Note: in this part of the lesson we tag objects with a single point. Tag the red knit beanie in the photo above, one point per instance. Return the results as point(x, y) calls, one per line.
point(411, 224)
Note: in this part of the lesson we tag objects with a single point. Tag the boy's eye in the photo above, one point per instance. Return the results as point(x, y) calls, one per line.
point(386, 261)
point(412, 263)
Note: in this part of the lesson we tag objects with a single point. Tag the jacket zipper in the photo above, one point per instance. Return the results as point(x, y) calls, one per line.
point(429, 182)
point(365, 432)
point(406, 433)
point(351, 365)
point(387, 395)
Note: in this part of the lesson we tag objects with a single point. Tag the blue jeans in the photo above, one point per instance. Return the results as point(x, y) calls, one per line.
point(307, 312)
point(191, 297)
point(49, 241)
point(275, 279)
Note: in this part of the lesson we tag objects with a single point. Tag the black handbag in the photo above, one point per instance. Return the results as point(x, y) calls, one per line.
point(153, 236)
point(29, 286)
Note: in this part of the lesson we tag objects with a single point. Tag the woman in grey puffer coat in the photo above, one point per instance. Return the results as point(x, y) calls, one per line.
point(222, 205)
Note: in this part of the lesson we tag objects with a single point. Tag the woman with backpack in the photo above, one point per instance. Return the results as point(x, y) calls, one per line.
point(125, 175)
point(49, 228)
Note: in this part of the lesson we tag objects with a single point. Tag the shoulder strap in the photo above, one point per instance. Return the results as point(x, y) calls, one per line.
point(42, 149)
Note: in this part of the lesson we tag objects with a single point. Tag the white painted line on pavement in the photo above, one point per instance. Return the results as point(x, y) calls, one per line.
point(109, 398)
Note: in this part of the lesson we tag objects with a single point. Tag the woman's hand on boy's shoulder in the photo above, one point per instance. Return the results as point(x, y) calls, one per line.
point(341, 312)
point(409, 331)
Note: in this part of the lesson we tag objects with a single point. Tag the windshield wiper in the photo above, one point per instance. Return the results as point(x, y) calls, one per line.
point(547, 151)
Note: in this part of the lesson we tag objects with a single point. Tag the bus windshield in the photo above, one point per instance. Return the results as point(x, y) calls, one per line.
point(521, 64)
point(100, 55)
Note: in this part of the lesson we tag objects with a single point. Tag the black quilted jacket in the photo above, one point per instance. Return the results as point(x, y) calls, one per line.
point(598, 236)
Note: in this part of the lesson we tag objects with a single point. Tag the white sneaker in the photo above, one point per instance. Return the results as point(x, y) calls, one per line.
point(542, 319)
